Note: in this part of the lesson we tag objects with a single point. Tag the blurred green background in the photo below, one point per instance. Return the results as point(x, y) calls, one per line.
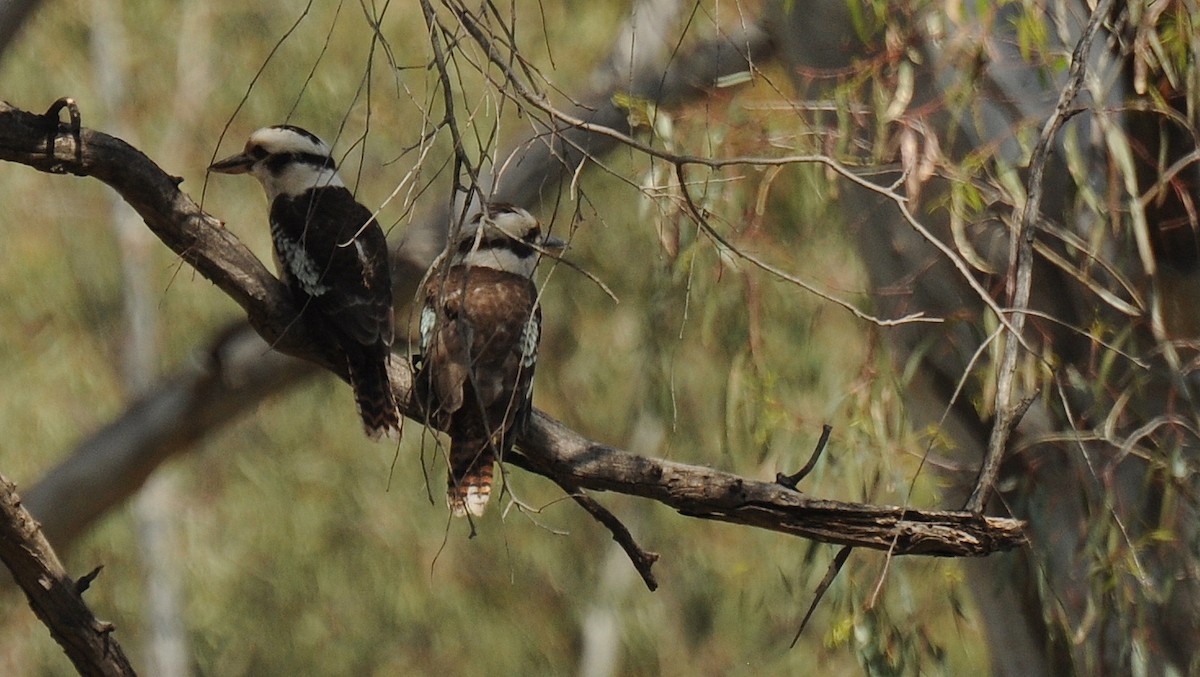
point(299, 547)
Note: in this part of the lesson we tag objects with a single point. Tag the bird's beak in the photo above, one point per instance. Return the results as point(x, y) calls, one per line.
point(553, 244)
point(234, 164)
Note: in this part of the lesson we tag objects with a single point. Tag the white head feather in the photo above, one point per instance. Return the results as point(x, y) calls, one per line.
point(287, 160)
point(504, 237)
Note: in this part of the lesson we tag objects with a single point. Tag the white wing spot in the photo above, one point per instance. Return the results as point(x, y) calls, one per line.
point(428, 319)
point(299, 264)
point(529, 342)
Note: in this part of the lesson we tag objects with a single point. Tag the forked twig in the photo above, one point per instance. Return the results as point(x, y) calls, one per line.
point(1021, 267)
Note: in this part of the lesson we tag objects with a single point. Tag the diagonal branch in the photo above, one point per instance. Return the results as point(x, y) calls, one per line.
point(54, 597)
point(549, 448)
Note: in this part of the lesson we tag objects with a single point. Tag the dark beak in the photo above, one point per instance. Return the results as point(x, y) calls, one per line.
point(553, 244)
point(235, 164)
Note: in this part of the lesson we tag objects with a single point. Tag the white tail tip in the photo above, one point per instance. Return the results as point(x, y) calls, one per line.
point(473, 501)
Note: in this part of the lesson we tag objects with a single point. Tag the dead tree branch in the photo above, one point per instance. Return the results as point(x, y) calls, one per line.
point(554, 450)
point(55, 598)
point(549, 448)
point(238, 369)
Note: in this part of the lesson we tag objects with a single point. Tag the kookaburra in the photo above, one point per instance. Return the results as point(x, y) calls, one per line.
point(480, 327)
point(333, 257)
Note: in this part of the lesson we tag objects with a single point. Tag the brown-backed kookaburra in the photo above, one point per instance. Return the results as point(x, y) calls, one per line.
point(480, 327)
point(333, 257)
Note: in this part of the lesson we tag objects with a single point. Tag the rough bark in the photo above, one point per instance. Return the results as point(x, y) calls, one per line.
point(53, 595)
point(554, 450)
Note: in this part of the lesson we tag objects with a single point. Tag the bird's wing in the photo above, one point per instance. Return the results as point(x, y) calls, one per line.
point(480, 342)
point(338, 257)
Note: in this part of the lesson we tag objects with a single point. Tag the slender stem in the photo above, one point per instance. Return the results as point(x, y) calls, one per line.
point(1020, 275)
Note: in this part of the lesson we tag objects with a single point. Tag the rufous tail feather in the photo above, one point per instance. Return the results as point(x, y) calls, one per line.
point(469, 485)
point(374, 397)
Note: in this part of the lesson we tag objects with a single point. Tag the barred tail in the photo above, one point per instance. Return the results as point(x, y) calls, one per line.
point(469, 485)
point(373, 393)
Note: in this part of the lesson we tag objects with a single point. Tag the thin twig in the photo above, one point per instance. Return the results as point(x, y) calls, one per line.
point(642, 560)
point(790, 481)
point(680, 160)
point(702, 221)
point(835, 567)
point(1020, 275)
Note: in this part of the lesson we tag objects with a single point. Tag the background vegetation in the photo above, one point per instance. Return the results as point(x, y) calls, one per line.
point(302, 548)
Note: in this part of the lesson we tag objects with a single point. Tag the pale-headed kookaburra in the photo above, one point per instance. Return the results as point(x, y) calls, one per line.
point(480, 326)
point(333, 257)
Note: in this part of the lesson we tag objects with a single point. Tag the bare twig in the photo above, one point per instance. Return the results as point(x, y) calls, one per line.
point(642, 560)
point(790, 481)
point(680, 161)
point(835, 567)
point(700, 219)
point(1020, 272)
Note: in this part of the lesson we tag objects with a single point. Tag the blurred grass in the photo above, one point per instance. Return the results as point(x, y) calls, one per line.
point(303, 552)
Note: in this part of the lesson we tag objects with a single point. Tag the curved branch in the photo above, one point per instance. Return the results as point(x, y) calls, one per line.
point(201, 240)
point(549, 448)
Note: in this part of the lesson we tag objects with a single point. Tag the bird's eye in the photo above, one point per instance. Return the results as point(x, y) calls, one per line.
point(534, 235)
point(257, 152)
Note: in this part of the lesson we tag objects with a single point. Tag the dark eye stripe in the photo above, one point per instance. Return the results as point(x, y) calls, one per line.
point(277, 163)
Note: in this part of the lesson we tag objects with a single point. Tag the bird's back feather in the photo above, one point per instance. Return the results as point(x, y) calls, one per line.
point(476, 371)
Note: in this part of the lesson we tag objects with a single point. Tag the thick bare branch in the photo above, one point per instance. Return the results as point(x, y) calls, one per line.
point(54, 597)
point(172, 416)
point(552, 449)
point(549, 448)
